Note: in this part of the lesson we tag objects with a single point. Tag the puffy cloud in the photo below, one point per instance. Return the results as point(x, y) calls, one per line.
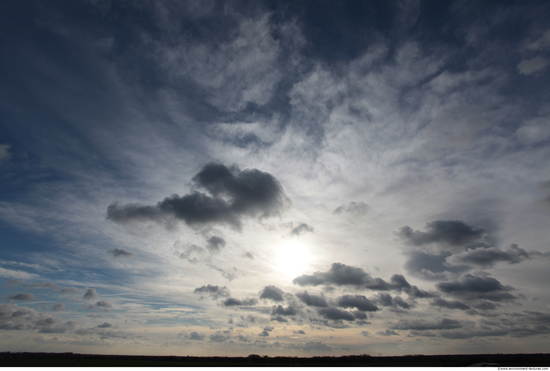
point(449, 304)
point(488, 257)
point(232, 302)
point(272, 292)
point(387, 333)
point(248, 255)
point(234, 194)
point(357, 301)
point(21, 297)
point(301, 229)
point(220, 336)
point(215, 244)
point(336, 314)
point(58, 307)
point(118, 252)
point(104, 304)
point(312, 300)
point(105, 325)
point(90, 294)
point(214, 292)
point(386, 300)
point(353, 208)
point(431, 267)
point(299, 332)
point(451, 233)
point(422, 325)
point(474, 287)
point(70, 290)
point(14, 317)
point(192, 336)
point(339, 274)
point(280, 310)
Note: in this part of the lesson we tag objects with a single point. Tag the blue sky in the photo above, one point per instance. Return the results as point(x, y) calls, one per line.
point(283, 178)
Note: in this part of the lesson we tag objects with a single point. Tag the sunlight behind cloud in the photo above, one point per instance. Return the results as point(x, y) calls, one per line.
point(292, 258)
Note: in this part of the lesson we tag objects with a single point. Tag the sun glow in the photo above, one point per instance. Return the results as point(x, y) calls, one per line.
point(292, 258)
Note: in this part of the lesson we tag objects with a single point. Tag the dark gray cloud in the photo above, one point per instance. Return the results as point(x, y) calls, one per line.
point(220, 336)
point(192, 335)
point(299, 332)
point(266, 331)
point(356, 301)
point(90, 294)
point(353, 208)
point(214, 292)
point(248, 255)
point(14, 317)
point(279, 319)
point(431, 267)
point(105, 325)
point(474, 287)
point(423, 325)
point(280, 310)
point(339, 274)
point(450, 233)
point(232, 302)
point(118, 252)
point(301, 229)
point(215, 244)
point(386, 300)
point(21, 297)
point(58, 307)
point(272, 292)
point(387, 333)
point(336, 314)
point(233, 194)
point(312, 300)
point(46, 285)
point(104, 304)
point(488, 257)
point(449, 304)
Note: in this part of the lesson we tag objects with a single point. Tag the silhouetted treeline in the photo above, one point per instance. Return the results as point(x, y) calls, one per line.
point(254, 360)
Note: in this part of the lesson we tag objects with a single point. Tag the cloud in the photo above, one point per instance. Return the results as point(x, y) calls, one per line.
point(215, 244)
point(423, 325)
point(280, 310)
point(534, 65)
point(301, 229)
point(353, 208)
point(387, 333)
point(488, 257)
point(46, 285)
point(105, 325)
point(104, 304)
point(58, 307)
point(357, 301)
point(234, 194)
point(474, 287)
point(117, 252)
point(4, 153)
point(272, 292)
point(214, 292)
point(431, 267)
point(312, 300)
point(192, 336)
point(70, 290)
point(299, 332)
point(449, 304)
point(232, 302)
point(336, 314)
point(535, 130)
point(14, 317)
point(449, 233)
point(21, 297)
point(386, 300)
point(90, 294)
point(17, 274)
point(220, 336)
point(248, 255)
point(339, 274)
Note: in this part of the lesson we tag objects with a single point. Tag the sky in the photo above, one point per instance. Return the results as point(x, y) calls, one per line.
point(292, 178)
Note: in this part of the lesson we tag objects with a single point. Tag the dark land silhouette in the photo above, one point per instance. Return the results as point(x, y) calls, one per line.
point(29, 359)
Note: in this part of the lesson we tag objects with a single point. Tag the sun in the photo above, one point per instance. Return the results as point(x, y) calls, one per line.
point(292, 258)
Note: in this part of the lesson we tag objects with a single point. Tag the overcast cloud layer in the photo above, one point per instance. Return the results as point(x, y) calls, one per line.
point(282, 178)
